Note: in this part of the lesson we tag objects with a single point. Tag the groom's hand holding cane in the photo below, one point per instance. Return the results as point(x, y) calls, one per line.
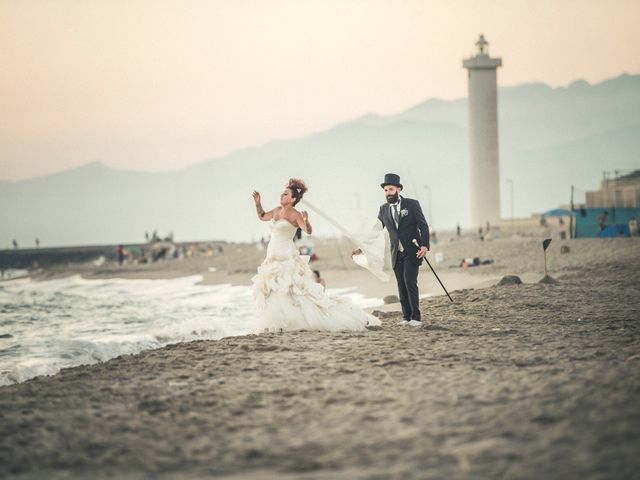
point(422, 251)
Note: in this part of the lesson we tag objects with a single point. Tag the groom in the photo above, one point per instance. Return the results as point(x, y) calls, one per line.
point(405, 222)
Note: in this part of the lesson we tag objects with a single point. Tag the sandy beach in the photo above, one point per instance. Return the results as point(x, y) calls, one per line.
point(538, 380)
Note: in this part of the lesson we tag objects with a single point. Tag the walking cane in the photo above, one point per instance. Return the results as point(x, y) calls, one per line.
point(415, 242)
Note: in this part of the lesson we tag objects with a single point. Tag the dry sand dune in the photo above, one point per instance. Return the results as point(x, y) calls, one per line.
point(520, 381)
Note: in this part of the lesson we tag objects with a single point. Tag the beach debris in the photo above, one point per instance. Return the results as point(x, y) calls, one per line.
point(509, 280)
point(565, 249)
point(390, 299)
point(548, 280)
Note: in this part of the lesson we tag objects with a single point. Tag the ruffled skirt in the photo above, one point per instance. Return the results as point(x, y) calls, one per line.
point(288, 299)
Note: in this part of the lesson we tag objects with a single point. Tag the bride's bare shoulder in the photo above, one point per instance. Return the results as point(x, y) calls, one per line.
point(294, 217)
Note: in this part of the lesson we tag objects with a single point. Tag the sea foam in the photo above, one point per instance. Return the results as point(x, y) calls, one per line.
point(54, 324)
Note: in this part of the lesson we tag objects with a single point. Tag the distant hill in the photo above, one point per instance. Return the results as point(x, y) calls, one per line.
point(550, 138)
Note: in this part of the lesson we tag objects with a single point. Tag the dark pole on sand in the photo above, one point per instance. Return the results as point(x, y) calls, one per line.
point(572, 215)
point(545, 245)
point(415, 242)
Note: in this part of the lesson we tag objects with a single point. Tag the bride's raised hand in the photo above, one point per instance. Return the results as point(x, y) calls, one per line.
point(305, 216)
point(256, 197)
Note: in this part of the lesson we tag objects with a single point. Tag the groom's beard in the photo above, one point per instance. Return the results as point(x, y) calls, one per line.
point(393, 198)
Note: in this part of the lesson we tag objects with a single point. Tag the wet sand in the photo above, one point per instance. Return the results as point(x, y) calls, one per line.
point(519, 381)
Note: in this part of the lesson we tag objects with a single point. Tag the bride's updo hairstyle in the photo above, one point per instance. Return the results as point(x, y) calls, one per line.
point(298, 189)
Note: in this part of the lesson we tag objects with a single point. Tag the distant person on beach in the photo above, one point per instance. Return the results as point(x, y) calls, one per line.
point(458, 232)
point(543, 221)
point(474, 262)
point(15, 244)
point(633, 227)
point(287, 297)
point(120, 253)
point(37, 242)
point(318, 279)
point(602, 220)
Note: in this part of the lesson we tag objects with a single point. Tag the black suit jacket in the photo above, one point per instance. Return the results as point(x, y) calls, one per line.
point(412, 225)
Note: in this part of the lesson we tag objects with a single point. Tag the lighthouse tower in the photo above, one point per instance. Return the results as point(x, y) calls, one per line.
point(483, 135)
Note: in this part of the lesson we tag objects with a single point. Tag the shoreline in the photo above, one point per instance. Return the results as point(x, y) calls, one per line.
point(361, 284)
point(358, 280)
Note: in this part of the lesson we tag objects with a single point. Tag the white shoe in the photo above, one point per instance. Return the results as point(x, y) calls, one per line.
point(414, 323)
point(403, 322)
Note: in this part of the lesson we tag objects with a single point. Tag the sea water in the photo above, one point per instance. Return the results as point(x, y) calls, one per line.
point(54, 324)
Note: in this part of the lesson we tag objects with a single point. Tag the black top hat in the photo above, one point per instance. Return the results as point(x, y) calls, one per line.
point(391, 179)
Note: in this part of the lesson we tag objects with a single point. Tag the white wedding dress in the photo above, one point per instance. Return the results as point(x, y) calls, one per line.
point(287, 297)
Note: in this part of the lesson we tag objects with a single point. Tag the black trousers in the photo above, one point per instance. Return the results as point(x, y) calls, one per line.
point(407, 277)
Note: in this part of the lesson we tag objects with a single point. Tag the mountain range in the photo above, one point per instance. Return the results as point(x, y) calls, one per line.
point(550, 139)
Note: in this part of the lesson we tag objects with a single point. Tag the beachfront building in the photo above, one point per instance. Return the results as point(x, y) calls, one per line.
point(610, 211)
point(483, 135)
point(616, 191)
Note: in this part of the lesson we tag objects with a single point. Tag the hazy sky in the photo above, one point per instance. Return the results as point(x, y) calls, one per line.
point(157, 85)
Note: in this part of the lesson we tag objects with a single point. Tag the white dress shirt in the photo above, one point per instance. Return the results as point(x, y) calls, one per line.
point(394, 207)
point(397, 206)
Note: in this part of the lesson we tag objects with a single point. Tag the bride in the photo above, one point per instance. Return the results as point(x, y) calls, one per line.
point(286, 295)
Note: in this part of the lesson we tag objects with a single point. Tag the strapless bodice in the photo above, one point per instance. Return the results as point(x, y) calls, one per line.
point(281, 242)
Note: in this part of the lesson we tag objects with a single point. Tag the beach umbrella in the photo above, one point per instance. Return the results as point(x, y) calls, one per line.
point(558, 212)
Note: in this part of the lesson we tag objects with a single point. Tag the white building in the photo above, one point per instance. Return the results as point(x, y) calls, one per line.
point(483, 135)
point(619, 191)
